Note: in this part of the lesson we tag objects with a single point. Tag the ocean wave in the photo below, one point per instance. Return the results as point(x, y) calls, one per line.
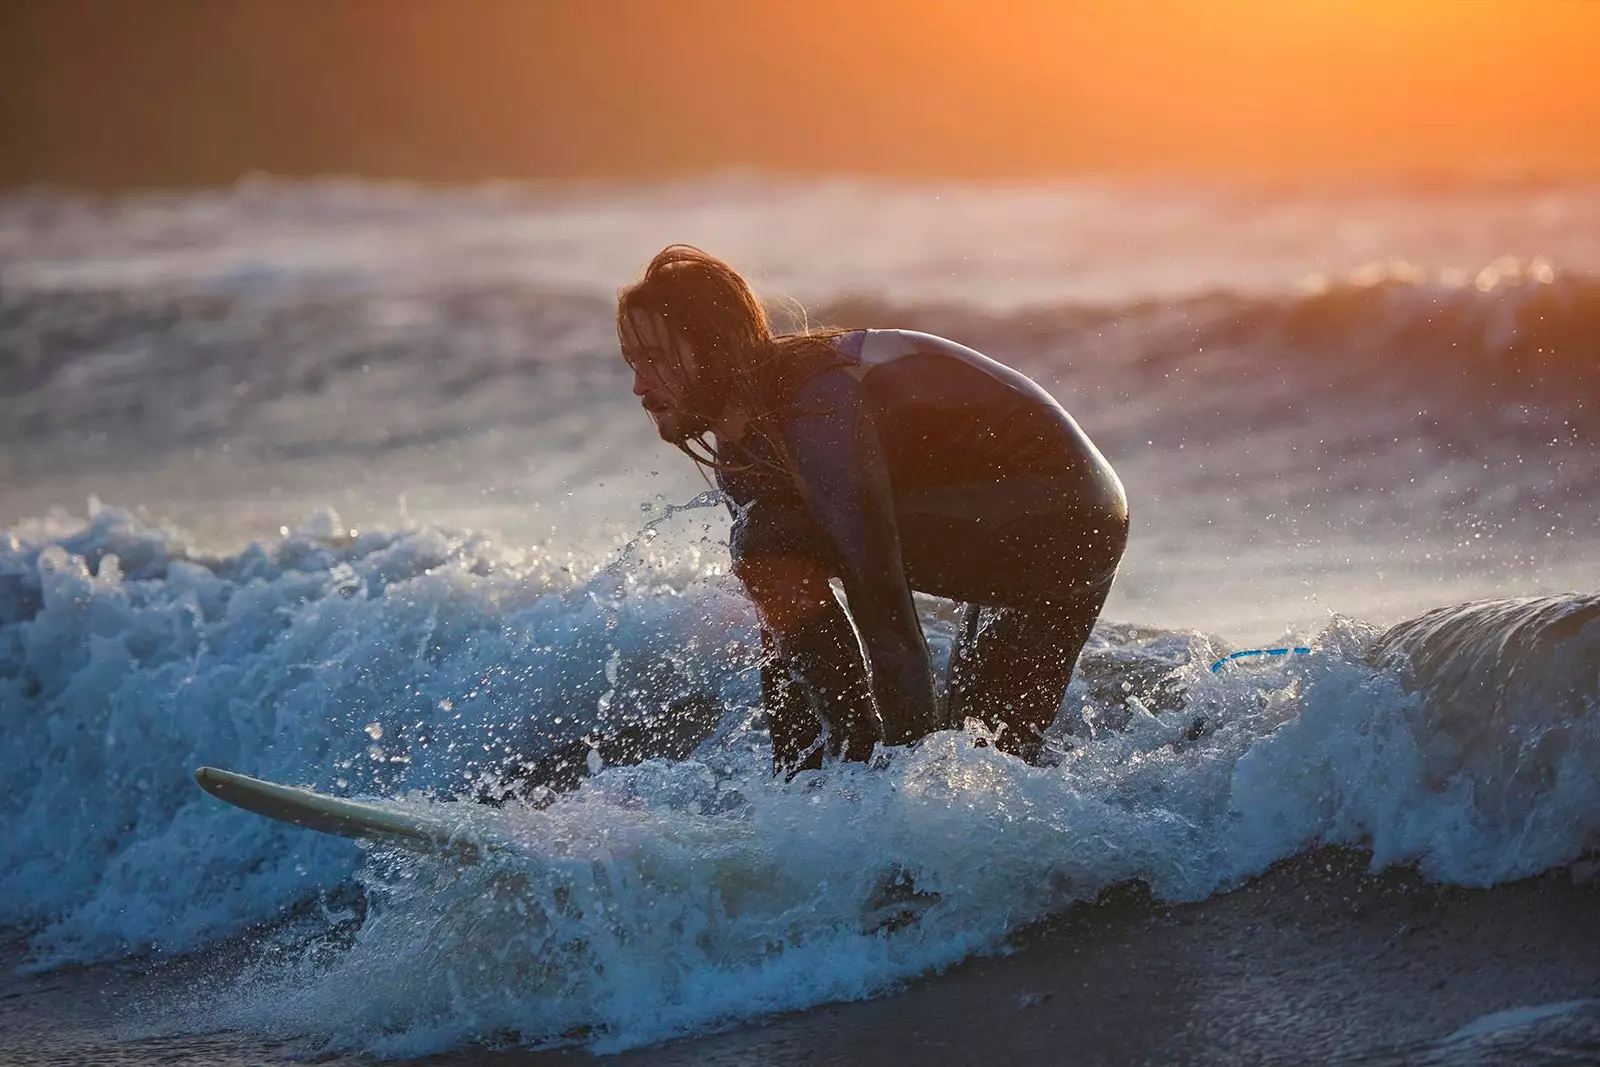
point(1512, 336)
point(376, 661)
point(328, 373)
point(662, 897)
point(1511, 332)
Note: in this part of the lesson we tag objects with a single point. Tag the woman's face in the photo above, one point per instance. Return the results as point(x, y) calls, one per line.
point(663, 374)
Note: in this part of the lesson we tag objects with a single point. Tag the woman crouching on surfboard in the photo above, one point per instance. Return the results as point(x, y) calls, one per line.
point(894, 461)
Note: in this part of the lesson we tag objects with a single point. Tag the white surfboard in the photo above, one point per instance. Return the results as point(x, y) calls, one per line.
point(432, 831)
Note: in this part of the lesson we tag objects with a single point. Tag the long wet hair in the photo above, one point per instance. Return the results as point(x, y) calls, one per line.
point(708, 304)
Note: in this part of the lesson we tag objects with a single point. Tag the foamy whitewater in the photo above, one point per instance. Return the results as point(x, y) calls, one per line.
point(342, 485)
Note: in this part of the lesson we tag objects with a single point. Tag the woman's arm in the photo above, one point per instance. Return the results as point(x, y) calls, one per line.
point(844, 481)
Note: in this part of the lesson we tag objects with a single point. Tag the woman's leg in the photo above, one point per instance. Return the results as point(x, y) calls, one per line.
point(1016, 666)
point(1042, 582)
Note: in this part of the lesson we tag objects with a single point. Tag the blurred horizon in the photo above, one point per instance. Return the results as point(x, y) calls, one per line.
point(109, 96)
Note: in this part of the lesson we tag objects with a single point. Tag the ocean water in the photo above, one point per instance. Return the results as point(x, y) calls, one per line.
point(342, 485)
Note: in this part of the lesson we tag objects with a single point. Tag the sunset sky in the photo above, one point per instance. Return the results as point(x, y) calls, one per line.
point(113, 93)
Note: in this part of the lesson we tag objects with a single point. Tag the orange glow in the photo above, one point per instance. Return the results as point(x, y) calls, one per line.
point(191, 90)
point(1317, 84)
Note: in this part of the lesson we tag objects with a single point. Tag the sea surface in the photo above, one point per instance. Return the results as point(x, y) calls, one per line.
point(342, 484)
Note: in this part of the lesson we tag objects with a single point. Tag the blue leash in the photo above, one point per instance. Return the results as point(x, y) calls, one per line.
point(1217, 666)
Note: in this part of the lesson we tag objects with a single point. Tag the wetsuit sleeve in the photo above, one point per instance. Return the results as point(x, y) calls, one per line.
point(845, 483)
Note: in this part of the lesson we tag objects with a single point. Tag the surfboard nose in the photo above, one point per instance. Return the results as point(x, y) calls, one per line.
point(211, 779)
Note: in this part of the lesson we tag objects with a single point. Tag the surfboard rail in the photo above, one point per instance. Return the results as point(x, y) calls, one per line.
point(365, 821)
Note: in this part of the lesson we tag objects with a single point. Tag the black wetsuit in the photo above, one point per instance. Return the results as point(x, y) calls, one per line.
point(917, 463)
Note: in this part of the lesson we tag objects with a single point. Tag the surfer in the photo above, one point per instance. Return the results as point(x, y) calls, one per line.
point(890, 460)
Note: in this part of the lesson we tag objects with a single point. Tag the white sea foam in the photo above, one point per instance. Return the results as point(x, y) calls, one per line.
point(661, 898)
point(406, 660)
